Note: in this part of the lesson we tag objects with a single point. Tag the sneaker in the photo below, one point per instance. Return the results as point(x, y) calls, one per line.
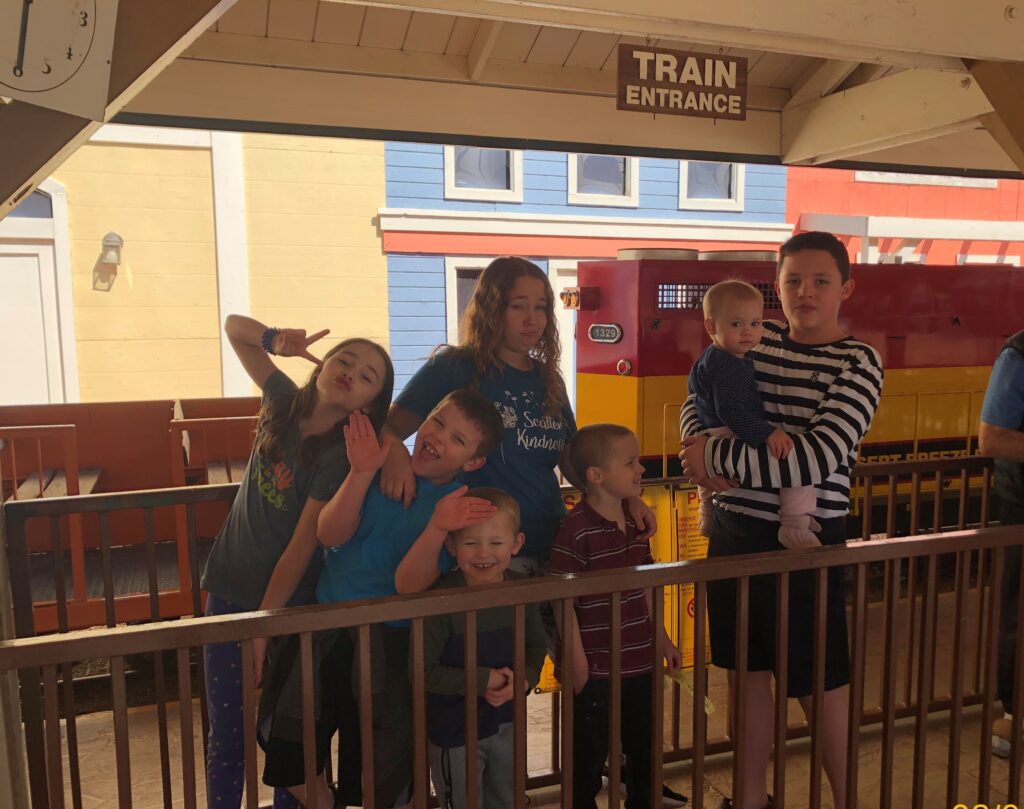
point(1001, 735)
point(671, 798)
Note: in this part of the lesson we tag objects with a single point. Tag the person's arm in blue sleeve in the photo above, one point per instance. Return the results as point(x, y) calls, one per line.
point(1002, 414)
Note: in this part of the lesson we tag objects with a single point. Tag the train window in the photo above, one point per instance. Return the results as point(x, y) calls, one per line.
point(691, 296)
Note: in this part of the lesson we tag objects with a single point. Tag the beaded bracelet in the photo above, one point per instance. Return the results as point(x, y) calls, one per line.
point(267, 340)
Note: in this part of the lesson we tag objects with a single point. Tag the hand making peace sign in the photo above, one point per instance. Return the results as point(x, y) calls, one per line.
point(295, 343)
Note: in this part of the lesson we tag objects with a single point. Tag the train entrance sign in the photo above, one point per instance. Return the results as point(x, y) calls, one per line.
point(681, 83)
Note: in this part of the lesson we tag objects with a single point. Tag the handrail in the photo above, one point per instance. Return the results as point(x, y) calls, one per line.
point(120, 641)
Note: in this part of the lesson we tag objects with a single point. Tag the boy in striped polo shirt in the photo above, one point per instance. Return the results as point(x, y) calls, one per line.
point(598, 534)
point(823, 387)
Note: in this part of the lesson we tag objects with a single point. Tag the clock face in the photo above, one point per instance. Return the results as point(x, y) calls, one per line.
point(43, 43)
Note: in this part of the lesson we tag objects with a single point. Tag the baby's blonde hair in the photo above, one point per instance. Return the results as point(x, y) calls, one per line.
point(733, 289)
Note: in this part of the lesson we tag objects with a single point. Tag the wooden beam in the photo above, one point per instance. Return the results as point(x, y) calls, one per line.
point(331, 58)
point(873, 31)
point(480, 50)
point(238, 94)
point(35, 141)
point(910, 106)
point(1003, 85)
point(821, 80)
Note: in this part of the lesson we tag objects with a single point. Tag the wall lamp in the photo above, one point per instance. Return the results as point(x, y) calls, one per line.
point(112, 244)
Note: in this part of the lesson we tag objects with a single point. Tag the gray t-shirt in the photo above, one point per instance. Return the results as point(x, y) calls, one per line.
point(264, 515)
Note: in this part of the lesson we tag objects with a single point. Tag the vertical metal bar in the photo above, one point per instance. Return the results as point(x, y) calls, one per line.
point(188, 754)
point(915, 504)
point(420, 784)
point(14, 472)
point(249, 725)
point(197, 610)
point(472, 727)
point(556, 739)
point(818, 688)
point(961, 520)
point(892, 583)
point(890, 508)
point(956, 690)
point(866, 514)
point(59, 580)
point(739, 695)
point(108, 569)
point(158, 659)
point(781, 686)
point(39, 465)
point(366, 714)
point(53, 745)
point(76, 547)
point(309, 752)
point(122, 749)
point(519, 708)
point(700, 690)
point(615, 704)
point(937, 507)
point(568, 655)
point(924, 681)
point(984, 592)
point(986, 489)
point(658, 692)
point(989, 691)
point(857, 659)
point(908, 683)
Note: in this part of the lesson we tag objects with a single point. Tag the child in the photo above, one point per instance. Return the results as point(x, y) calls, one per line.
point(598, 535)
point(296, 465)
point(725, 395)
point(483, 553)
point(825, 386)
point(368, 535)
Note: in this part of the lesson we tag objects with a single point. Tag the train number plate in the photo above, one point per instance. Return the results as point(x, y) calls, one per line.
point(605, 333)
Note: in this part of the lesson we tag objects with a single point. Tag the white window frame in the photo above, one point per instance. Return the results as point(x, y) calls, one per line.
point(562, 272)
point(1005, 261)
point(896, 178)
point(512, 194)
point(631, 199)
point(734, 203)
point(452, 265)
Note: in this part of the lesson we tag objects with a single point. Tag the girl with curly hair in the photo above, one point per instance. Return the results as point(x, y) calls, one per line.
point(509, 350)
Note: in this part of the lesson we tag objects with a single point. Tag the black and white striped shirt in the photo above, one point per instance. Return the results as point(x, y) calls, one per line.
point(824, 396)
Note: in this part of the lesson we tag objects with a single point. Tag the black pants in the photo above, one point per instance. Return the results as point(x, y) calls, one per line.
point(1009, 514)
point(590, 741)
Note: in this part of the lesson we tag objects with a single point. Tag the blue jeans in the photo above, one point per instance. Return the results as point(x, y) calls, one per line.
point(225, 749)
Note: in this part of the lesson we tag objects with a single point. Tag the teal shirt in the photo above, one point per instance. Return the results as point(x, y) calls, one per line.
point(364, 567)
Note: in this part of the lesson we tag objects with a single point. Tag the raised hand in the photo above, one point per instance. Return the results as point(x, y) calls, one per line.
point(365, 453)
point(295, 343)
point(455, 511)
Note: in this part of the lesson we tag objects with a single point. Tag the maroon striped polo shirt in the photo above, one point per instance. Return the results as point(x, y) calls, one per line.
point(586, 541)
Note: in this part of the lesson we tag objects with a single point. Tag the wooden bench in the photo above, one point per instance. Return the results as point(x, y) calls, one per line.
point(54, 483)
point(225, 471)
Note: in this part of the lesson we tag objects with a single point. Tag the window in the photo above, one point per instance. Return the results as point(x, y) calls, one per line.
point(597, 179)
point(460, 278)
point(36, 205)
point(487, 175)
point(705, 186)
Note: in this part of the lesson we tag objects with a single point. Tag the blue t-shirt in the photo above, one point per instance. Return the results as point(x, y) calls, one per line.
point(1004, 397)
point(524, 464)
point(725, 394)
point(364, 567)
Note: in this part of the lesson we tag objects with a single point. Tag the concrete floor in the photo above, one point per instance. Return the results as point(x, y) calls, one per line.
point(99, 787)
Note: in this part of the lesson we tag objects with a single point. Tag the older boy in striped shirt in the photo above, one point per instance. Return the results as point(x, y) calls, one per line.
point(823, 387)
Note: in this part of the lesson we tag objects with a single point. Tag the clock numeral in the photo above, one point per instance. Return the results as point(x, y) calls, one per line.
point(18, 71)
point(47, 68)
point(84, 21)
point(69, 54)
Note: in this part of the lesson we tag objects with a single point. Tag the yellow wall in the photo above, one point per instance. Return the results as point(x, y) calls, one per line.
point(315, 257)
point(150, 331)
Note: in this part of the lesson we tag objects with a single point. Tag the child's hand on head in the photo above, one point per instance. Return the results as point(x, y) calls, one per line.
point(779, 444)
point(365, 453)
point(295, 343)
point(455, 511)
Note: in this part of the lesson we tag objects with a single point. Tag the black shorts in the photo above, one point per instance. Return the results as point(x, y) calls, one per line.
point(337, 684)
point(733, 534)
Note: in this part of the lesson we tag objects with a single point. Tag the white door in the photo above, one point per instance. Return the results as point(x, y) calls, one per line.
point(562, 273)
point(29, 326)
